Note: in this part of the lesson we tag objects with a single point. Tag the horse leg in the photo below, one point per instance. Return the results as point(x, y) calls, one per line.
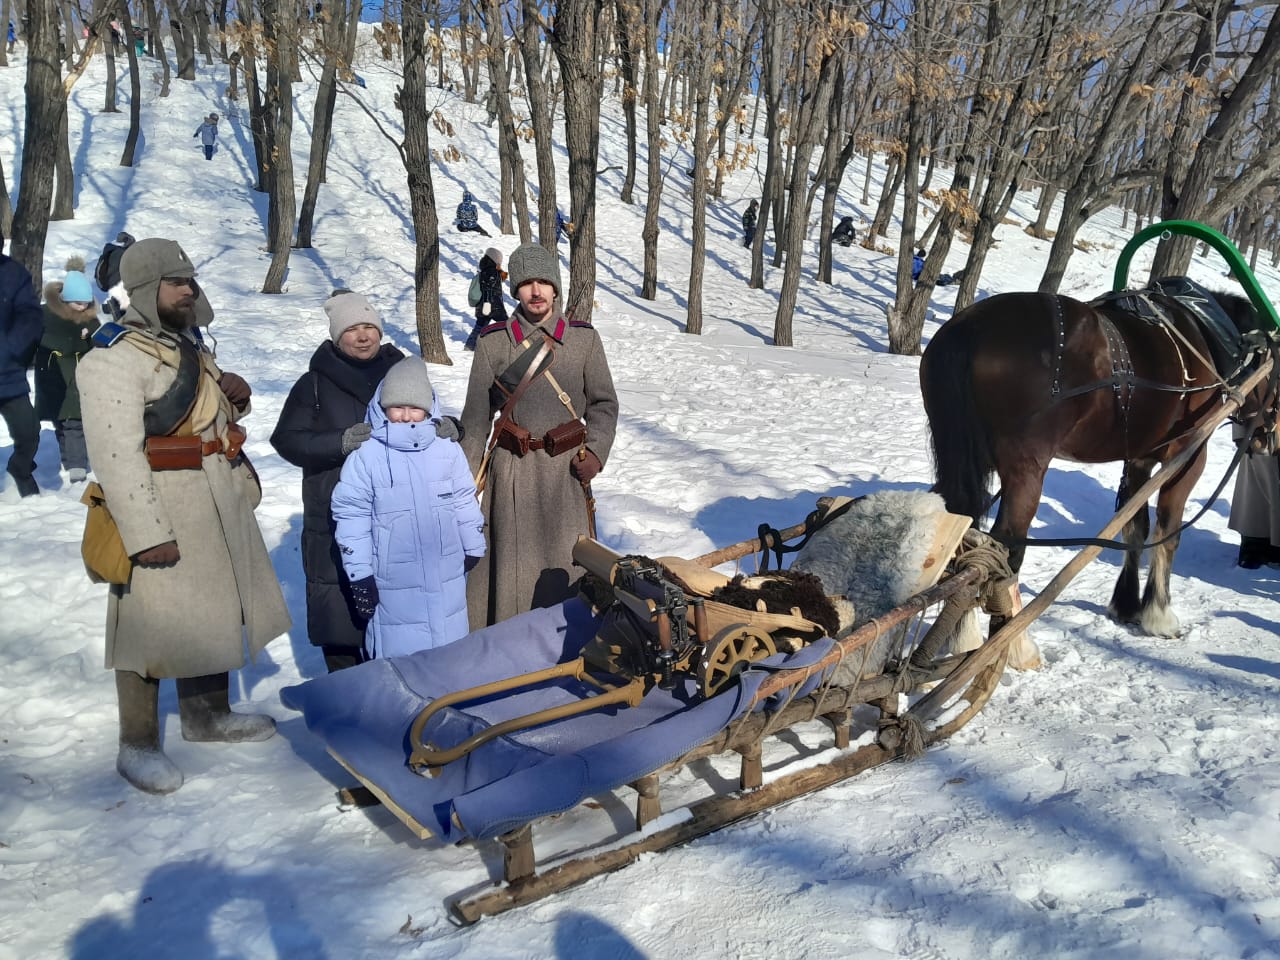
point(1021, 485)
point(1124, 606)
point(1158, 619)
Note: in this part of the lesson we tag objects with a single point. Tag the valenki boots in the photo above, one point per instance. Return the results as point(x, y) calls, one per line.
point(141, 761)
point(203, 704)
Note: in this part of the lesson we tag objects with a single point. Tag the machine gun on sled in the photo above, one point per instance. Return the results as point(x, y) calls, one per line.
point(652, 629)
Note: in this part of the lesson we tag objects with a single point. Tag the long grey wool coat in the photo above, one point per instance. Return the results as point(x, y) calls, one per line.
point(193, 618)
point(534, 508)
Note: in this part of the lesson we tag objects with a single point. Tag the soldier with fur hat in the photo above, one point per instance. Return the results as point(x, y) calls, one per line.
point(535, 481)
point(162, 425)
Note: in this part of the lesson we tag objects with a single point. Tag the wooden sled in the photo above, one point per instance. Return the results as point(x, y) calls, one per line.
point(962, 571)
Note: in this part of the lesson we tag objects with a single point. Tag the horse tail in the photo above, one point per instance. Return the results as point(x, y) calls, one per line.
point(962, 459)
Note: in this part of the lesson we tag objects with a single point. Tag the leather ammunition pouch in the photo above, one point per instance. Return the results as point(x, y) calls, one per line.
point(513, 438)
point(564, 438)
point(187, 453)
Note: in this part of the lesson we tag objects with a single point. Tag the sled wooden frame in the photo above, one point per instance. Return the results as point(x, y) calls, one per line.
point(963, 685)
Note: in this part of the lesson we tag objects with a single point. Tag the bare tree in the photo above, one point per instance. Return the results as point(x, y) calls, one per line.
point(653, 139)
point(46, 104)
point(332, 22)
point(702, 68)
point(281, 28)
point(135, 86)
point(416, 154)
point(574, 40)
point(541, 107)
point(509, 159)
point(182, 29)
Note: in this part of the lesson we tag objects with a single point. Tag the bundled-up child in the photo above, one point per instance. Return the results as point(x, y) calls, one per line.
point(70, 319)
point(467, 218)
point(407, 521)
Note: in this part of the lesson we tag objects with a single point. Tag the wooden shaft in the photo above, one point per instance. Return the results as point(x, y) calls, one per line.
point(736, 551)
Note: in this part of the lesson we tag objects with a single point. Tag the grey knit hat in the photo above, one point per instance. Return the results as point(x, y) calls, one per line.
point(346, 310)
point(494, 254)
point(532, 261)
point(407, 385)
point(143, 265)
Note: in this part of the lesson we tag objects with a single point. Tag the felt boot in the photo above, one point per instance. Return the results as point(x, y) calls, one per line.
point(1254, 552)
point(204, 706)
point(141, 761)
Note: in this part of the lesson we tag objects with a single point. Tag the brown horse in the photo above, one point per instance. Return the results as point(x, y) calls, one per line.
point(1017, 379)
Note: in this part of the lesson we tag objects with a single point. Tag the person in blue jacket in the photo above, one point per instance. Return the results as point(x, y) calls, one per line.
point(466, 218)
point(917, 264)
point(21, 326)
point(407, 521)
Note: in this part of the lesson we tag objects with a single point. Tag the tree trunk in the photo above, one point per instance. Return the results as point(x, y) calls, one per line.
point(511, 163)
point(653, 138)
point(540, 113)
point(773, 134)
point(46, 105)
point(6, 205)
point(333, 21)
point(811, 121)
point(259, 122)
point(629, 28)
point(573, 40)
point(184, 48)
point(6, 18)
point(701, 151)
point(109, 49)
point(282, 203)
point(422, 200)
point(157, 43)
point(64, 193)
point(135, 87)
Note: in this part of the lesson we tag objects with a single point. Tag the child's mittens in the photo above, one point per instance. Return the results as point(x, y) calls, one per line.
point(449, 428)
point(364, 597)
point(355, 435)
point(486, 308)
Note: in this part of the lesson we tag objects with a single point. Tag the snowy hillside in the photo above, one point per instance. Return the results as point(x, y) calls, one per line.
point(1123, 801)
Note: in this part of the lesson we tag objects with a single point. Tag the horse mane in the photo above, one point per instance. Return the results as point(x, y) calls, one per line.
point(1240, 309)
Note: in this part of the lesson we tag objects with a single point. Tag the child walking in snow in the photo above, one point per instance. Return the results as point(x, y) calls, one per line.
point(208, 134)
point(70, 319)
point(408, 523)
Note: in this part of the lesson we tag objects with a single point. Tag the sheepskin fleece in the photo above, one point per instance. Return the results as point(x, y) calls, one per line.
point(873, 555)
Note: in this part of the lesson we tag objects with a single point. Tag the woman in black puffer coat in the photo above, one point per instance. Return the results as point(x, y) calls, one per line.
point(319, 426)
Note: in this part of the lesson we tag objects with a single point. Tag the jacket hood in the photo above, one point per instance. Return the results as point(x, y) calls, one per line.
point(60, 308)
point(402, 436)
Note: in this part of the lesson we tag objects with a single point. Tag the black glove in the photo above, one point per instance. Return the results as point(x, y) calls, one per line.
point(364, 597)
point(355, 435)
point(450, 428)
point(469, 563)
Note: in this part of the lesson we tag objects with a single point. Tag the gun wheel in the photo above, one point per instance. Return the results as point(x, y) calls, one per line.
point(728, 653)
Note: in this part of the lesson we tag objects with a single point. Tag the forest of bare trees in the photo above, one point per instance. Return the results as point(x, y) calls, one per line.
point(1159, 106)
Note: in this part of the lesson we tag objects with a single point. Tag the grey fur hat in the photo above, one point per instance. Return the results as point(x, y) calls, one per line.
point(532, 261)
point(407, 385)
point(144, 264)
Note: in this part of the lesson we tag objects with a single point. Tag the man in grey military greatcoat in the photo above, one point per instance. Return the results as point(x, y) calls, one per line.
point(202, 585)
point(535, 500)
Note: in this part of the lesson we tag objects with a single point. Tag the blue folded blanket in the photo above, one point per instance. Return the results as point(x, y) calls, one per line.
point(363, 715)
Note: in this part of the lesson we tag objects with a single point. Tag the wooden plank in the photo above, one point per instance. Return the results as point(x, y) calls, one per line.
point(419, 831)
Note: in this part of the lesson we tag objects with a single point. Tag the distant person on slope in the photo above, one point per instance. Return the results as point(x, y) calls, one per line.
point(486, 294)
point(844, 234)
point(917, 265)
point(162, 424)
point(107, 274)
point(21, 324)
point(466, 219)
point(70, 319)
point(749, 222)
point(208, 134)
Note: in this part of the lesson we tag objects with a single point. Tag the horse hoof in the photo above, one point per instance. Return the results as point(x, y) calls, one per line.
point(1161, 623)
point(1130, 617)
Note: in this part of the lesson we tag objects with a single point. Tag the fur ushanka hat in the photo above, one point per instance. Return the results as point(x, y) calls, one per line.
point(143, 265)
point(533, 261)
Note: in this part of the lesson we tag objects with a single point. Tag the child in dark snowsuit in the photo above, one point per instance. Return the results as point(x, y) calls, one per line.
point(466, 218)
point(844, 233)
point(490, 306)
point(749, 223)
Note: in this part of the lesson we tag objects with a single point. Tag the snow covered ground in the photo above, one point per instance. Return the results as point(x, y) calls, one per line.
point(1123, 801)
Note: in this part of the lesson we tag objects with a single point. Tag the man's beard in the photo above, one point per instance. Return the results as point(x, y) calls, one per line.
point(177, 319)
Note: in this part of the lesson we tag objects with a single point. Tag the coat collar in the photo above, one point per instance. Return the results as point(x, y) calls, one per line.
point(521, 326)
